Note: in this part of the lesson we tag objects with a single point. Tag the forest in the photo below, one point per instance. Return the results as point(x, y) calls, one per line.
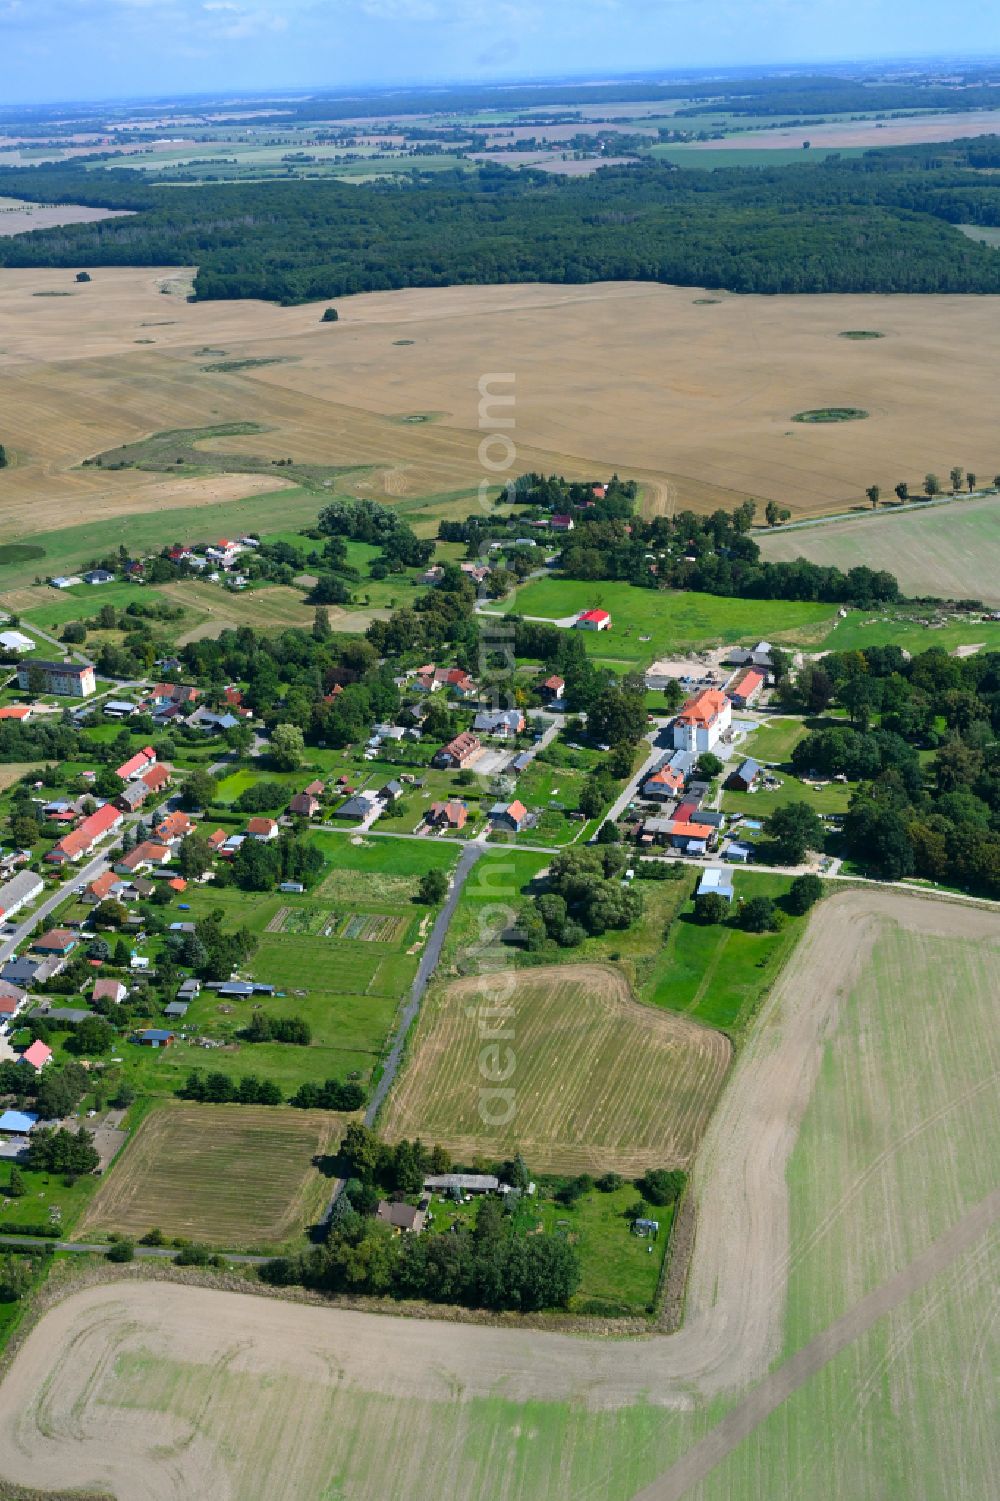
point(938, 816)
point(877, 223)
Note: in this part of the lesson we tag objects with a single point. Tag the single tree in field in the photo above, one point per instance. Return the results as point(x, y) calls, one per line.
point(199, 789)
point(3, 457)
point(330, 315)
point(873, 492)
point(673, 695)
point(433, 887)
point(903, 490)
point(772, 513)
point(996, 482)
point(932, 485)
point(711, 907)
point(970, 480)
point(956, 474)
point(759, 914)
point(83, 276)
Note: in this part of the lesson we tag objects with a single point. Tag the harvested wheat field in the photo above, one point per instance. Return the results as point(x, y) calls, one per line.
point(598, 1081)
point(230, 1175)
point(695, 400)
point(947, 551)
point(840, 1308)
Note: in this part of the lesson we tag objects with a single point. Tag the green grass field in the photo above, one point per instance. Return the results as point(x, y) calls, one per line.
point(775, 739)
point(72, 547)
point(718, 154)
point(618, 1275)
point(946, 551)
point(716, 975)
point(834, 797)
point(719, 973)
point(346, 988)
point(670, 619)
point(55, 607)
point(903, 627)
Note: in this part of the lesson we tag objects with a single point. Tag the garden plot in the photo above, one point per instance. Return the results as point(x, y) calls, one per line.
point(359, 927)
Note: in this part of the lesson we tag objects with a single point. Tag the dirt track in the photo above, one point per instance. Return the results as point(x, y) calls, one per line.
point(54, 1429)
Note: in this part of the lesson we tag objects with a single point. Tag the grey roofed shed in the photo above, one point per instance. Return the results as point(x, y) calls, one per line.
point(470, 1182)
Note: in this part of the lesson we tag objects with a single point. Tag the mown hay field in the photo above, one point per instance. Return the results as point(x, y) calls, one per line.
point(229, 1175)
point(597, 1081)
point(692, 397)
point(947, 551)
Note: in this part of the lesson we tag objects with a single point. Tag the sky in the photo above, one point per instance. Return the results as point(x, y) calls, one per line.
point(112, 49)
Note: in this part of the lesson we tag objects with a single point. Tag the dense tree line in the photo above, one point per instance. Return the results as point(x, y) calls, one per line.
point(332, 1094)
point(490, 1265)
point(937, 817)
point(265, 1028)
point(218, 1088)
point(259, 866)
point(53, 1149)
point(880, 222)
point(714, 554)
point(210, 951)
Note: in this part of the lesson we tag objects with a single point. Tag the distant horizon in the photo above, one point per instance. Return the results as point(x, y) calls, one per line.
point(104, 51)
point(655, 77)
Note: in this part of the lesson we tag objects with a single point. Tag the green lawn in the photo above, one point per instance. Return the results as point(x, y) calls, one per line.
point(899, 628)
point(56, 606)
point(718, 973)
point(44, 1192)
point(384, 856)
point(718, 154)
point(669, 618)
point(834, 797)
point(775, 740)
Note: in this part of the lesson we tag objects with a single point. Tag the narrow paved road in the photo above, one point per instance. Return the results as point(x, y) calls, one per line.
point(657, 752)
point(428, 963)
point(426, 968)
point(94, 867)
point(57, 898)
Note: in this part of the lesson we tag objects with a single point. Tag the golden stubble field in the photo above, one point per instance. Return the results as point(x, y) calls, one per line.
point(691, 397)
